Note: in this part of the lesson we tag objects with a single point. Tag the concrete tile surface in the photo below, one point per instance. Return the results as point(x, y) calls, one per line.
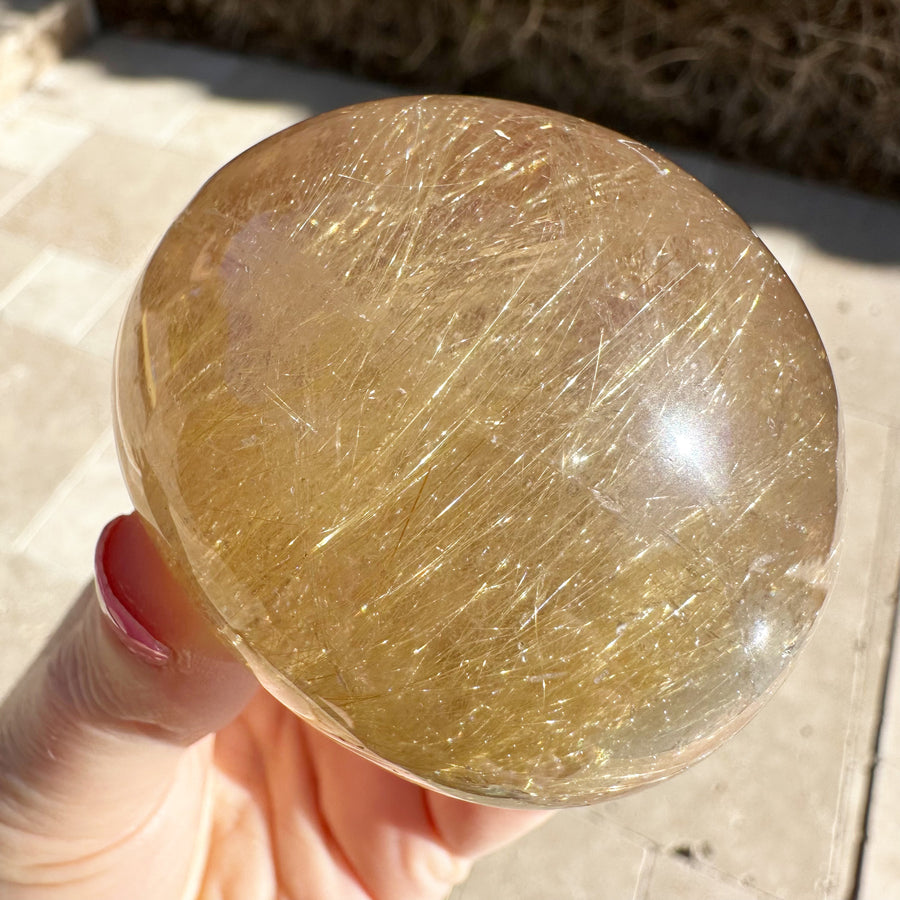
point(63, 297)
point(32, 142)
point(137, 89)
point(100, 339)
point(857, 311)
point(259, 98)
point(672, 876)
point(880, 862)
point(16, 252)
point(54, 405)
point(33, 599)
point(889, 737)
point(230, 127)
point(270, 84)
point(64, 534)
point(573, 856)
point(97, 159)
point(74, 208)
point(10, 180)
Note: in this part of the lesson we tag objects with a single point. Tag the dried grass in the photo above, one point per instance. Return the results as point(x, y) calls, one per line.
point(809, 86)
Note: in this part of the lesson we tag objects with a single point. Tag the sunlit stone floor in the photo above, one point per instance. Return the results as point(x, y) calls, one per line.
point(96, 159)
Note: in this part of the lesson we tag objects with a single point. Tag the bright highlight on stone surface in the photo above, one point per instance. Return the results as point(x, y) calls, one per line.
point(495, 443)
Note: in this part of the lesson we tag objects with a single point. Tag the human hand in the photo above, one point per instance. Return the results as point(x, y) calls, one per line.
point(140, 759)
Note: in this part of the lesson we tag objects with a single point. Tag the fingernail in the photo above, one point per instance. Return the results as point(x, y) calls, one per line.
point(115, 606)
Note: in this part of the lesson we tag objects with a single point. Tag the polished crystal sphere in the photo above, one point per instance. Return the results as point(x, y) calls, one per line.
point(499, 447)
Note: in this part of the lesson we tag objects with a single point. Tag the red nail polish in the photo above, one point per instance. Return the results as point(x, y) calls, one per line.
point(116, 608)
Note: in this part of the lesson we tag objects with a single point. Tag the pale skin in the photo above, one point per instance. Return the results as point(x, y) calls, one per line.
point(183, 780)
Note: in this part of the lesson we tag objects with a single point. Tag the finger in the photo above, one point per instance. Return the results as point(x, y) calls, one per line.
point(471, 829)
point(104, 783)
point(404, 841)
point(198, 684)
point(382, 825)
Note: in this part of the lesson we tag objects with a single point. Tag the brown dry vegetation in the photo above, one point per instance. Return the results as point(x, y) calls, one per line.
point(808, 86)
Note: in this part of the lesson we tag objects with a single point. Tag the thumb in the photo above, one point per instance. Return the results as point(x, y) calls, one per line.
point(105, 771)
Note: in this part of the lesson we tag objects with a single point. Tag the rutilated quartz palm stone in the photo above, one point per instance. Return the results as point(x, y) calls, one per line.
point(498, 446)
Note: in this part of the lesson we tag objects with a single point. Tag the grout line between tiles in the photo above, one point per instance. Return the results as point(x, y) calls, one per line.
point(61, 491)
point(857, 750)
point(50, 119)
point(892, 658)
point(26, 275)
point(645, 872)
point(23, 188)
point(867, 415)
point(843, 831)
point(104, 303)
